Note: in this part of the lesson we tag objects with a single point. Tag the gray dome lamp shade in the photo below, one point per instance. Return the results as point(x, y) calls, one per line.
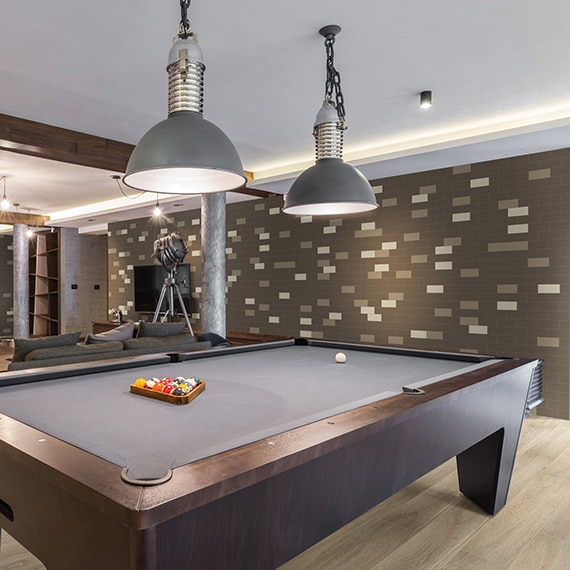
point(185, 153)
point(330, 187)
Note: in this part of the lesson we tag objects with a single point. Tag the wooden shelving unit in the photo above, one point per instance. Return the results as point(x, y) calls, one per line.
point(44, 285)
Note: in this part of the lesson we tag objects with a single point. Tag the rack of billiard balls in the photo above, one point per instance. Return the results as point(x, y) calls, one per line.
point(177, 390)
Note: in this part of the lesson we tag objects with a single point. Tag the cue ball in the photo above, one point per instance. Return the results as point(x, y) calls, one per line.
point(340, 357)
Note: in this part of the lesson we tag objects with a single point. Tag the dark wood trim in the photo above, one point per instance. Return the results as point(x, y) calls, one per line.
point(255, 191)
point(63, 145)
point(12, 218)
point(242, 338)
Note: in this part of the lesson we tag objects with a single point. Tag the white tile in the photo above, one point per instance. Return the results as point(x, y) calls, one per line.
point(519, 211)
point(507, 305)
point(517, 229)
point(381, 267)
point(374, 318)
point(549, 288)
point(479, 182)
point(418, 334)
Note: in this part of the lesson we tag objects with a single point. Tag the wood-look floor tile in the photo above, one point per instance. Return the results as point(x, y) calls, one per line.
point(465, 561)
point(435, 542)
point(544, 552)
point(376, 541)
point(558, 525)
point(505, 535)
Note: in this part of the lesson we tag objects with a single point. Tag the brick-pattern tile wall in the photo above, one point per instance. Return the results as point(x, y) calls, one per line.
point(473, 258)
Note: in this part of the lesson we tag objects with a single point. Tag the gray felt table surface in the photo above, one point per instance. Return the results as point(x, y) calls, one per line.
point(248, 396)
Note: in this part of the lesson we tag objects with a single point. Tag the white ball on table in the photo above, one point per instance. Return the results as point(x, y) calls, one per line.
point(340, 357)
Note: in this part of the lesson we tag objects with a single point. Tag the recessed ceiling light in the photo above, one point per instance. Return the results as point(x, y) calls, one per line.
point(425, 99)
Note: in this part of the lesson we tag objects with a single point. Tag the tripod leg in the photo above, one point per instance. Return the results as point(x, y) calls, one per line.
point(159, 304)
point(180, 300)
point(171, 310)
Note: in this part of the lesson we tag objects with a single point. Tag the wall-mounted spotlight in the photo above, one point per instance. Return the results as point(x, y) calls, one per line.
point(425, 100)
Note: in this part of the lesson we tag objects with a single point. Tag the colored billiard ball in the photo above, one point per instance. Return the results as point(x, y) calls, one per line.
point(340, 357)
point(140, 382)
point(150, 384)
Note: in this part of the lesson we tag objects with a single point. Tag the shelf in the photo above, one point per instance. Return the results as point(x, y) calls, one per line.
point(44, 276)
point(44, 285)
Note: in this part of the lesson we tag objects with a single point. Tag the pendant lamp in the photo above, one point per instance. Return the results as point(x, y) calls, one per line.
point(5, 204)
point(330, 187)
point(185, 153)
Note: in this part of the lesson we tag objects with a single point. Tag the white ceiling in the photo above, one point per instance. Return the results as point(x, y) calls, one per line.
point(499, 72)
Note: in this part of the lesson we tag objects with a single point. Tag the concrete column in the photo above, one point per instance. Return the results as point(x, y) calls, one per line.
point(213, 297)
point(21, 286)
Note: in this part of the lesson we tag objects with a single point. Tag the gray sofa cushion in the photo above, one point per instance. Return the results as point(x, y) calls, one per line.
point(161, 344)
point(74, 350)
point(167, 349)
point(160, 329)
point(23, 346)
point(68, 360)
point(122, 332)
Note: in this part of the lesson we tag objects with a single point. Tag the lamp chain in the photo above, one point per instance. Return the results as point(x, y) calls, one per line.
point(333, 80)
point(184, 22)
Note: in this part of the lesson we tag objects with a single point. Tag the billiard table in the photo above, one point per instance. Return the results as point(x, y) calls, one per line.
point(283, 447)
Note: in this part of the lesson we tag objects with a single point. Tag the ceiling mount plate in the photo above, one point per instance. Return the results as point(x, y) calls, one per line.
point(330, 30)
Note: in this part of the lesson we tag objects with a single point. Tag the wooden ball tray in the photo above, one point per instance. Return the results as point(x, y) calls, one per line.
point(170, 398)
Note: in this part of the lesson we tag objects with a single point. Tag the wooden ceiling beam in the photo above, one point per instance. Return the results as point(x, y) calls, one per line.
point(11, 218)
point(63, 145)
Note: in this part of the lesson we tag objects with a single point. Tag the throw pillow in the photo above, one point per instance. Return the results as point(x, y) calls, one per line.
point(122, 332)
point(214, 339)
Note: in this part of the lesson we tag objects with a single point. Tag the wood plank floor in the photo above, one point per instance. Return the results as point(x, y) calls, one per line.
point(429, 525)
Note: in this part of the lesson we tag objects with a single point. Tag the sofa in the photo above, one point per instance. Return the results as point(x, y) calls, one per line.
point(120, 342)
